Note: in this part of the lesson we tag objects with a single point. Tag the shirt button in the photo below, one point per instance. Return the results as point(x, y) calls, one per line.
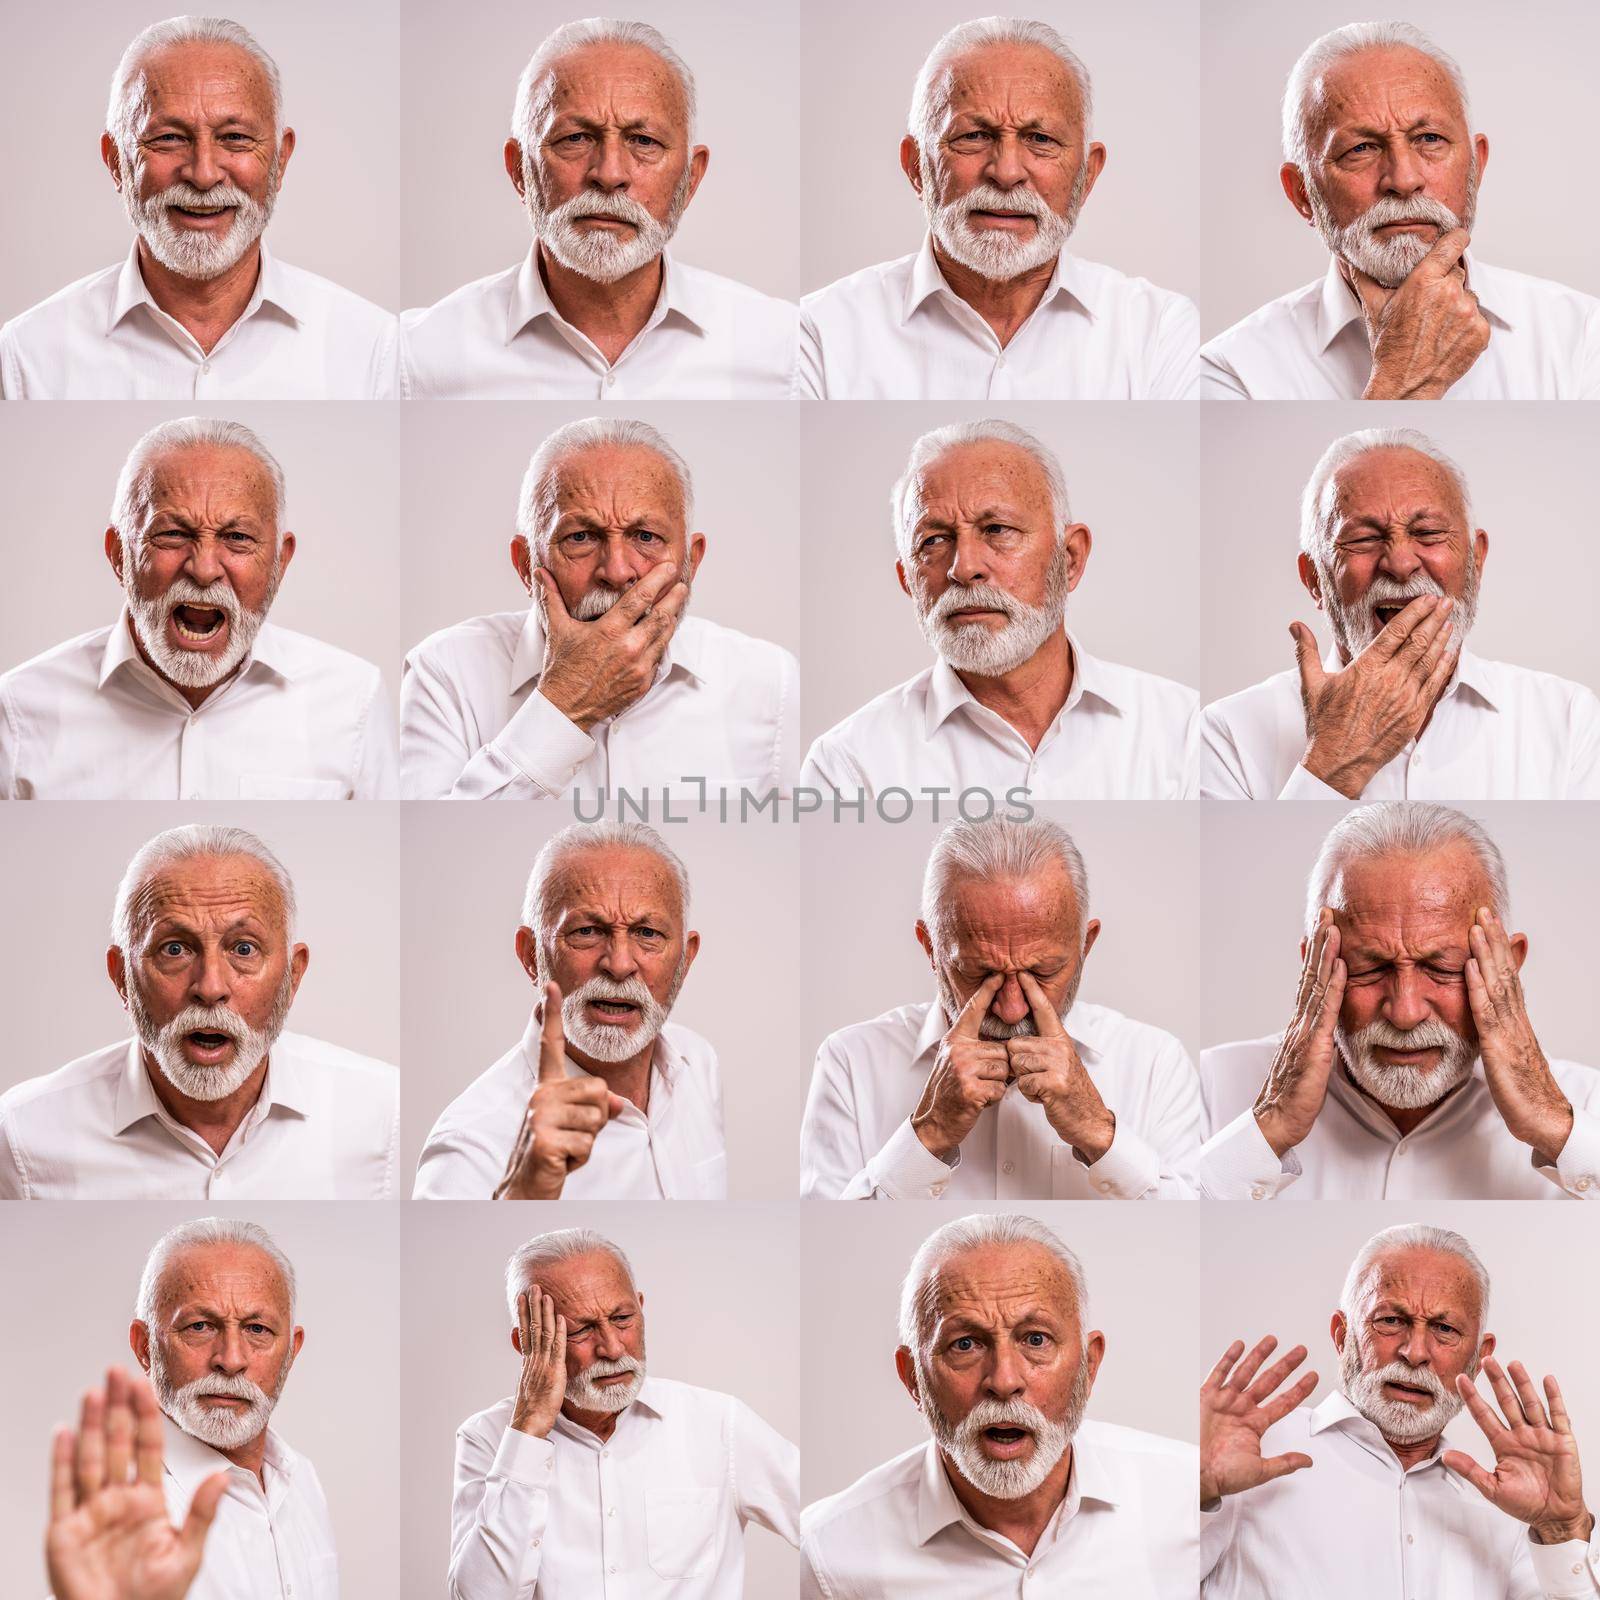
point(205, 366)
point(1257, 1192)
point(936, 1190)
point(535, 1544)
point(612, 1571)
point(1411, 1538)
point(605, 1452)
point(1583, 1183)
point(611, 378)
point(611, 1511)
point(1009, 1168)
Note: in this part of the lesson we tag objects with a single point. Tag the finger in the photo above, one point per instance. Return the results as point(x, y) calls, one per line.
point(1429, 640)
point(1280, 1369)
point(149, 1438)
point(63, 1497)
point(1398, 629)
point(1332, 999)
point(558, 1353)
point(1311, 967)
point(1282, 1466)
point(977, 1007)
point(1218, 1375)
point(1307, 658)
point(615, 1105)
point(1559, 1420)
point(1494, 936)
point(666, 611)
point(119, 1427)
point(1527, 1395)
point(572, 1144)
point(1251, 1365)
point(578, 1116)
point(202, 1512)
point(547, 1324)
point(1045, 1016)
point(1374, 296)
point(552, 1042)
point(549, 597)
point(1447, 250)
point(1276, 1409)
point(1484, 1017)
point(525, 1323)
point(92, 1444)
point(1443, 657)
point(641, 597)
point(1510, 1405)
point(1482, 1412)
point(1459, 1461)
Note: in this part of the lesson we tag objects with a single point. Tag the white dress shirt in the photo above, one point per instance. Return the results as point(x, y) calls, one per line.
point(1121, 735)
point(724, 708)
point(1498, 732)
point(656, 1512)
point(898, 331)
point(326, 1126)
point(1359, 1526)
point(298, 720)
point(301, 337)
point(1125, 1531)
point(271, 1543)
point(501, 338)
point(1461, 1151)
point(1544, 344)
point(857, 1142)
point(676, 1152)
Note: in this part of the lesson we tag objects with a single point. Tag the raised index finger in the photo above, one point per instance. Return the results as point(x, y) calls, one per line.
point(150, 1438)
point(1045, 1017)
point(977, 1007)
point(552, 1042)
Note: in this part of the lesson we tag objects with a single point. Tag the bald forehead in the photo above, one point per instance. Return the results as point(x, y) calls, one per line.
point(1026, 80)
point(628, 477)
point(1447, 880)
point(629, 83)
point(233, 1277)
point(217, 481)
point(980, 474)
point(1389, 85)
point(1434, 1282)
point(209, 890)
point(630, 873)
point(1044, 898)
point(1382, 482)
point(209, 74)
point(1001, 1283)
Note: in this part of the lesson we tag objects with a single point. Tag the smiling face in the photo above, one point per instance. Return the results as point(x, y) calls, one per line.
point(1400, 530)
point(202, 177)
point(222, 1342)
point(1008, 169)
point(1007, 1368)
point(605, 1330)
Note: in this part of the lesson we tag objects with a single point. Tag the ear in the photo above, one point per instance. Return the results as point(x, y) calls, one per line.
point(1294, 185)
point(691, 948)
point(1096, 163)
point(527, 951)
point(139, 1343)
point(1311, 578)
point(907, 1370)
point(1480, 147)
point(697, 553)
point(516, 1340)
point(117, 971)
point(1090, 934)
point(522, 561)
point(699, 160)
point(1480, 549)
point(1094, 1352)
point(112, 157)
point(114, 552)
point(1076, 541)
point(911, 162)
point(900, 573)
point(285, 150)
point(925, 939)
point(1338, 1327)
point(299, 960)
point(1519, 949)
point(1486, 1348)
point(286, 549)
point(296, 1343)
point(513, 161)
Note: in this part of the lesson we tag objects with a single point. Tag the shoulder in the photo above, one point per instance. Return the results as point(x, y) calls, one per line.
point(1240, 1057)
point(1578, 1082)
point(326, 660)
point(461, 305)
point(478, 638)
point(697, 1052)
point(746, 302)
point(1543, 295)
point(487, 1426)
point(76, 658)
point(865, 287)
point(1134, 1444)
point(888, 1491)
point(1266, 323)
point(729, 647)
point(341, 306)
point(1149, 691)
point(1269, 694)
point(49, 1093)
point(1547, 686)
point(1122, 1036)
point(896, 1029)
point(334, 1062)
point(893, 708)
point(1131, 293)
point(41, 319)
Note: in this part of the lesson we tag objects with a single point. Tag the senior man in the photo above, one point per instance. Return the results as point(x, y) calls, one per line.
point(603, 682)
point(191, 693)
point(1015, 1494)
point(1387, 1510)
point(1399, 708)
point(602, 153)
point(1409, 1067)
point(602, 1098)
point(1007, 1085)
point(595, 1477)
point(988, 553)
point(1380, 158)
point(196, 145)
point(211, 1097)
point(992, 306)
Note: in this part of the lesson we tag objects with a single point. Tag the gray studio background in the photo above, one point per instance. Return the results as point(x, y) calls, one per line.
point(1529, 83)
point(722, 1310)
point(61, 863)
point(467, 999)
point(1253, 881)
point(1266, 1270)
point(341, 464)
point(1132, 475)
point(1142, 1267)
point(861, 63)
point(71, 1273)
point(462, 218)
point(462, 469)
point(338, 211)
point(1528, 466)
point(862, 890)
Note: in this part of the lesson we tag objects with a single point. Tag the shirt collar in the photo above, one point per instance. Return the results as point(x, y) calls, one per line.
point(947, 693)
point(1069, 278)
point(285, 1085)
point(680, 296)
point(1336, 1413)
point(938, 1508)
point(189, 1461)
point(1338, 307)
point(1082, 1028)
point(121, 653)
point(683, 650)
point(273, 287)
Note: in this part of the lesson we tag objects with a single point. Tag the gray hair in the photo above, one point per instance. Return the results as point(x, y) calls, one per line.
point(197, 1235)
point(537, 911)
point(1401, 827)
point(940, 441)
point(127, 82)
point(998, 847)
point(545, 1249)
point(930, 97)
point(537, 510)
point(536, 86)
point(975, 1233)
point(1319, 500)
point(1413, 1236)
point(190, 842)
point(1305, 77)
point(130, 505)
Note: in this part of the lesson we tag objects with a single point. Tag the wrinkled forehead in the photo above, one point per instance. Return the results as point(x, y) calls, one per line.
point(630, 482)
point(209, 485)
point(1016, 82)
point(209, 79)
point(589, 1284)
point(209, 892)
point(1384, 87)
point(232, 1278)
point(983, 475)
point(615, 82)
point(1410, 901)
point(1040, 908)
point(1395, 485)
point(1000, 1284)
point(627, 880)
point(1424, 1282)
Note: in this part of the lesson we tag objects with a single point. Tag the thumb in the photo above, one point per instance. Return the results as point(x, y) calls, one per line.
point(614, 1105)
point(550, 601)
point(1447, 250)
point(1373, 295)
point(1282, 1466)
point(1307, 657)
point(202, 1512)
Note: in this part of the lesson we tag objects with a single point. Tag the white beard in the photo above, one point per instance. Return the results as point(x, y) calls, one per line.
point(165, 1045)
point(990, 252)
point(195, 669)
point(184, 251)
point(1394, 1419)
point(585, 1394)
point(222, 1430)
point(1355, 627)
point(599, 256)
point(1406, 1088)
point(990, 653)
point(1006, 1480)
point(1390, 261)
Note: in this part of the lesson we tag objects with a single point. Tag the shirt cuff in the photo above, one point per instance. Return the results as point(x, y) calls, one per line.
point(1237, 1163)
point(1127, 1171)
point(544, 744)
point(906, 1169)
point(1303, 785)
point(524, 1459)
point(1566, 1571)
point(1577, 1168)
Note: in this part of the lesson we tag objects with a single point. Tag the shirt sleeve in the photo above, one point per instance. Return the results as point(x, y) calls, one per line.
point(1583, 766)
point(1303, 785)
point(13, 1181)
point(377, 775)
point(456, 1165)
point(9, 739)
point(1177, 355)
point(1222, 775)
point(1589, 377)
point(813, 1586)
point(1217, 1529)
point(786, 774)
point(1237, 1163)
point(1218, 381)
point(384, 383)
point(1577, 1168)
point(829, 770)
point(766, 1475)
point(498, 1515)
point(1569, 1571)
point(1154, 1167)
point(810, 383)
point(11, 387)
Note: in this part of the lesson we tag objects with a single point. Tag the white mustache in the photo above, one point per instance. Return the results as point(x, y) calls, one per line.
point(987, 197)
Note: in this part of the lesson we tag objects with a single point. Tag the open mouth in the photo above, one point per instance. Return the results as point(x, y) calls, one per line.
point(201, 216)
point(1408, 1391)
point(1006, 1442)
point(206, 1047)
point(614, 1010)
point(198, 624)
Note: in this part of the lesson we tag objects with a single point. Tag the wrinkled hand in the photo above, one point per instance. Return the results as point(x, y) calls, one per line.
point(563, 1116)
point(543, 1384)
point(1536, 1476)
point(1048, 1072)
point(593, 670)
point(1235, 1411)
point(969, 1073)
point(1291, 1099)
point(109, 1538)
point(1426, 333)
point(1525, 1091)
point(1363, 715)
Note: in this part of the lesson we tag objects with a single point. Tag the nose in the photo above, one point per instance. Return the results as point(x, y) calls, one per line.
point(203, 169)
point(971, 564)
point(608, 1344)
point(617, 961)
point(230, 1354)
point(1406, 1005)
point(204, 562)
point(618, 565)
point(1006, 168)
point(1400, 559)
point(211, 982)
point(1004, 1379)
point(610, 168)
point(1402, 173)
point(1010, 1004)
point(1415, 1349)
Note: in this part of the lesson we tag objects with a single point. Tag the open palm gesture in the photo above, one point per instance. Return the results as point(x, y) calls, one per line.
point(1237, 1407)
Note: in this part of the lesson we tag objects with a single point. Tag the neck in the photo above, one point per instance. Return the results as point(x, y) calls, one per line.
point(630, 1078)
point(609, 315)
point(1405, 1118)
point(252, 1456)
point(1022, 1520)
point(215, 1121)
point(1005, 306)
point(1030, 696)
point(195, 697)
point(602, 1424)
point(207, 307)
point(1408, 1455)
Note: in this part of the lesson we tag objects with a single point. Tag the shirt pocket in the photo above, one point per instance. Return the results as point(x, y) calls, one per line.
point(272, 786)
point(681, 1530)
